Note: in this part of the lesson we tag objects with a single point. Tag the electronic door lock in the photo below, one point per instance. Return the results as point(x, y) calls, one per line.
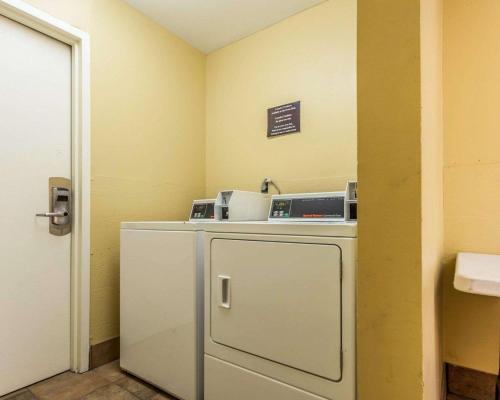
point(60, 206)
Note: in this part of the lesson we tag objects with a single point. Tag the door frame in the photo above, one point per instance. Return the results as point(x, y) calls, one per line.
point(79, 41)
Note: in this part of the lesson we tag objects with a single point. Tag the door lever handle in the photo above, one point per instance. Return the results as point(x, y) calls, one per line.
point(53, 214)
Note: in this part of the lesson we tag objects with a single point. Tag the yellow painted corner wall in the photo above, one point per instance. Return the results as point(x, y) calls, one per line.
point(389, 248)
point(431, 55)
point(309, 57)
point(471, 174)
point(148, 133)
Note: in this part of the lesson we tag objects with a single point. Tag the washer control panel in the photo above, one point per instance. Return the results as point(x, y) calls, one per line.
point(240, 205)
point(203, 210)
point(308, 207)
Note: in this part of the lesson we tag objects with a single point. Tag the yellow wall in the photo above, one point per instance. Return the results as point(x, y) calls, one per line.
point(148, 127)
point(389, 155)
point(471, 174)
point(431, 56)
point(148, 119)
point(309, 57)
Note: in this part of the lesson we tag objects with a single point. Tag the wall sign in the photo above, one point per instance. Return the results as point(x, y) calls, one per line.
point(283, 119)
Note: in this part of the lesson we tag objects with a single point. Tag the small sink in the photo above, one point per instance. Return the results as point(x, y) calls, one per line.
point(478, 274)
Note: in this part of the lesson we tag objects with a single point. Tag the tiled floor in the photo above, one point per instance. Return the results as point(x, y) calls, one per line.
point(103, 383)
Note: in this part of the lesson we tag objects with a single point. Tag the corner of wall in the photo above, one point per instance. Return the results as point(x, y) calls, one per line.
point(431, 43)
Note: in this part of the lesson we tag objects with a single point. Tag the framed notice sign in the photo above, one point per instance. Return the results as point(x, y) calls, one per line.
point(283, 120)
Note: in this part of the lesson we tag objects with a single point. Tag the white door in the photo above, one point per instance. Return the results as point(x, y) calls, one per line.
point(35, 144)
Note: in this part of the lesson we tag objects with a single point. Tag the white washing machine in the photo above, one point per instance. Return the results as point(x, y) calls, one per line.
point(161, 303)
point(161, 295)
point(280, 306)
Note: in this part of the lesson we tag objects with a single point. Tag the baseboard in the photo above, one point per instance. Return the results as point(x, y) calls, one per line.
point(465, 383)
point(444, 383)
point(105, 352)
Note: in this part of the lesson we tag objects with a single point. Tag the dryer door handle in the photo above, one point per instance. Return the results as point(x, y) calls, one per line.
point(224, 291)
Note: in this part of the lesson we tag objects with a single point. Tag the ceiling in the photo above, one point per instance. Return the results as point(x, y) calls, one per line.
point(211, 24)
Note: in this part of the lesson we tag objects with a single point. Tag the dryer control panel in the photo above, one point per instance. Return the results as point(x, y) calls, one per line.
point(308, 207)
point(203, 210)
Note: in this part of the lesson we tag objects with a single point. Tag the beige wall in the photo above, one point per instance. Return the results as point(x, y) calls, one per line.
point(309, 57)
point(471, 174)
point(148, 119)
point(431, 56)
point(148, 127)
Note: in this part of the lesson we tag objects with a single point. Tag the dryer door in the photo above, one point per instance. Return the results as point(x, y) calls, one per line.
point(280, 301)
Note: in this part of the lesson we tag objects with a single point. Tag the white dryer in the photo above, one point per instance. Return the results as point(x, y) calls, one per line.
point(280, 310)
